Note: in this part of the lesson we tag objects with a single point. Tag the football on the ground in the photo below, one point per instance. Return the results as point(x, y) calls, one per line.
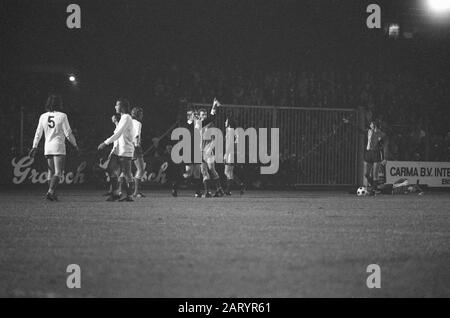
point(362, 191)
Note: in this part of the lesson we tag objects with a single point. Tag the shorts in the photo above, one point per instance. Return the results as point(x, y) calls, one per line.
point(208, 170)
point(230, 159)
point(228, 171)
point(114, 165)
point(372, 156)
point(193, 170)
point(138, 154)
point(125, 167)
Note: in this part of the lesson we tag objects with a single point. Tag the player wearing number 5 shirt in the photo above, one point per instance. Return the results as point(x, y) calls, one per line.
point(55, 127)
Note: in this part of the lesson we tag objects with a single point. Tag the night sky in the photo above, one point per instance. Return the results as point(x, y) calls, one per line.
point(122, 37)
point(124, 34)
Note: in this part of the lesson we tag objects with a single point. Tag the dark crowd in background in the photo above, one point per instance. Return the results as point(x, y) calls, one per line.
point(413, 109)
point(401, 82)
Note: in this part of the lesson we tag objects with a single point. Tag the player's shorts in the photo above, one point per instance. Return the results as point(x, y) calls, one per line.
point(208, 170)
point(138, 153)
point(372, 156)
point(114, 165)
point(230, 159)
point(125, 166)
point(193, 170)
point(229, 171)
point(211, 159)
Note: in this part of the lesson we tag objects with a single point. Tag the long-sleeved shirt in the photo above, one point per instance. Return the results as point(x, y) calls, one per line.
point(204, 125)
point(125, 134)
point(137, 131)
point(55, 126)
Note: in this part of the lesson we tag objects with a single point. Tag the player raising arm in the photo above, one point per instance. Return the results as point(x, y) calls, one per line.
point(55, 127)
point(208, 167)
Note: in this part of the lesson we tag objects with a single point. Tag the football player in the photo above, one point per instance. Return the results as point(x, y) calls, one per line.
point(193, 170)
point(231, 141)
point(55, 127)
point(208, 168)
point(124, 133)
point(113, 167)
point(373, 154)
point(137, 114)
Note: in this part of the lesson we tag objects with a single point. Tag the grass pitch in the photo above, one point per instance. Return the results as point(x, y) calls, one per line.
point(262, 244)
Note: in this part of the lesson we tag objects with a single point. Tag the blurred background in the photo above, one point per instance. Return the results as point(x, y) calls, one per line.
point(163, 54)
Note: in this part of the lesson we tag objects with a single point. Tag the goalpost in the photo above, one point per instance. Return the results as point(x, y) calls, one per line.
point(319, 146)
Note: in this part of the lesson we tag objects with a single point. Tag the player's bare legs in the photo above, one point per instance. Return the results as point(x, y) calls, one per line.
point(193, 173)
point(197, 180)
point(215, 178)
point(139, 163)
point(114, 172)
point(56, 167)
point(51, 170)
point(228, 171)
point(206, 179)
point(51, 174)
point(376, 167)
point(174, 176)
point(210, 178)
point(120, 189)
point(126, 178)
point(232, 177)
point(368, 173)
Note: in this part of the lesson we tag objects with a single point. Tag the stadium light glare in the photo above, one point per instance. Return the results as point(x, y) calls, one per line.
point(393, 30)
point(439, 6)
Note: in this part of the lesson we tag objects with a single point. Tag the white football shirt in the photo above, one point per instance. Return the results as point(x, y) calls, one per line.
point(137, 131)
point(115, 148)
point(55, 127)
point(124, 133)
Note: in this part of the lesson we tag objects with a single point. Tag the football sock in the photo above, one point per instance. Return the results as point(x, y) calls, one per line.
point(114, 185)
point(120, 184)
point(236, 179)
point(126, 187)
point(228, 185)
point(53, 182)
point(218, 185)
point(129, 188)
point(136, 185)
point(198, 185)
